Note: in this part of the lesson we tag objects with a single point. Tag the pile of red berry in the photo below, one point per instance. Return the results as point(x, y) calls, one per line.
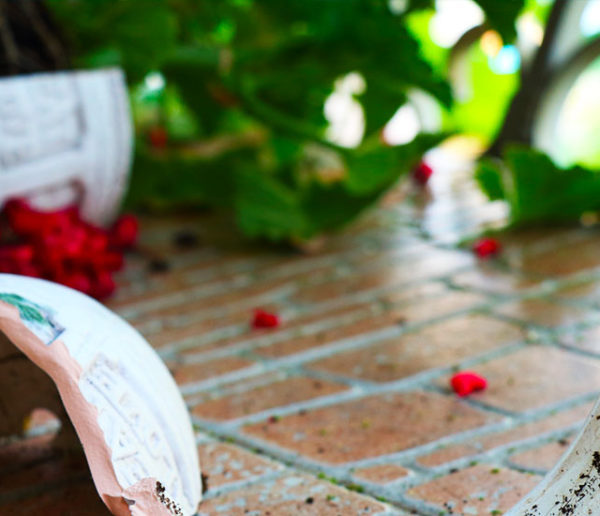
point(61, 247)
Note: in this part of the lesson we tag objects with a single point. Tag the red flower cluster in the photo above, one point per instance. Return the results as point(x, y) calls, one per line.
point(487, 247)
point(61, 247)
point(467, 382)
point(421, 173)
point(264, 319)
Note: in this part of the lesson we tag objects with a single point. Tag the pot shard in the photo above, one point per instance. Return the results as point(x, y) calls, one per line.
point(572, 487)
point(125, 407)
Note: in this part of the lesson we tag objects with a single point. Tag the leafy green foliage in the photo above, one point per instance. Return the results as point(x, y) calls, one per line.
point(264, 207)
point(163, 181)
point(194, 73)
point(374, 170)
point(268, 67)
point(489, 177)
point(296, 192)
point(539, 191)
point(502, 14)
point(136, 35)
point(246, 85)
point(287, 69)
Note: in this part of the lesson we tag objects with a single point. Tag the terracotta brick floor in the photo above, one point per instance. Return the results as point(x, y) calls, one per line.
point(345, 409)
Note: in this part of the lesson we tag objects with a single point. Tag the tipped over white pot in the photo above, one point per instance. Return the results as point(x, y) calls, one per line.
point(66, 137)
point(63, 351)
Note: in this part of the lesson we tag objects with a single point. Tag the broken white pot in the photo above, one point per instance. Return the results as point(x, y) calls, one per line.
point(66, 137)
point(123, 403)
point(573, 486)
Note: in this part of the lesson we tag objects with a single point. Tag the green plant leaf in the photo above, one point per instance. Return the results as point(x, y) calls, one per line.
point(264, 207)
point(372, 171)
point(194, 73)
point(168, 181)
point(502, 15)
point(489, 177)
point(538, 191)
point(135, 35)
point(330, 207)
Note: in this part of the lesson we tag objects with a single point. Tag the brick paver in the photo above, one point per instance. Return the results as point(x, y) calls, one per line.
point(543, 313)
point(383, 474)
point(438, 345)
point(542, 458)
point(270, 396)
point(535, 377)
point(369, 427)
point(225, 464)
point(536, 429)
point(345, 409)
point(292, 495)
point(482, 489)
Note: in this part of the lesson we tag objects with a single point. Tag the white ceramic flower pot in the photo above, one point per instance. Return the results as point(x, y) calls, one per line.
point(123, 403)
point(66, 137)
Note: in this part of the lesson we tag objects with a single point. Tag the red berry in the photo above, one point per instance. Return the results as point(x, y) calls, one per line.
point(78, 281)
point(467, 382)
point(421, 173)
point(108, 261)
point(96, 239)
point(103, 285)
point(75, 241)
point(26, 221)
point(7, 267)
point(21, 218)
point(29, 269)
point(59, 246)
point(158, 137)
point(17, 253)
point(264, 319)
point(124, 232)
point(487, 247)
point(56, 221)
point(49, 257)
point(67, 241)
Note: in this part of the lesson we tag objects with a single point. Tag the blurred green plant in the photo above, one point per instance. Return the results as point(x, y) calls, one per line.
point(242, 104)
point(537, 190)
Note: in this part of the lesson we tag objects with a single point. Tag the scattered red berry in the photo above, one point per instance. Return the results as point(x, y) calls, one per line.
point(467, 382)
point(124, 232)
point(59, 246)
point(421, 173)
point(264, 319)
point(158, 137)
point(487, 247)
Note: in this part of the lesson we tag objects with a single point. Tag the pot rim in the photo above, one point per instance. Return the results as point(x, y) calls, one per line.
point(107, 70)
